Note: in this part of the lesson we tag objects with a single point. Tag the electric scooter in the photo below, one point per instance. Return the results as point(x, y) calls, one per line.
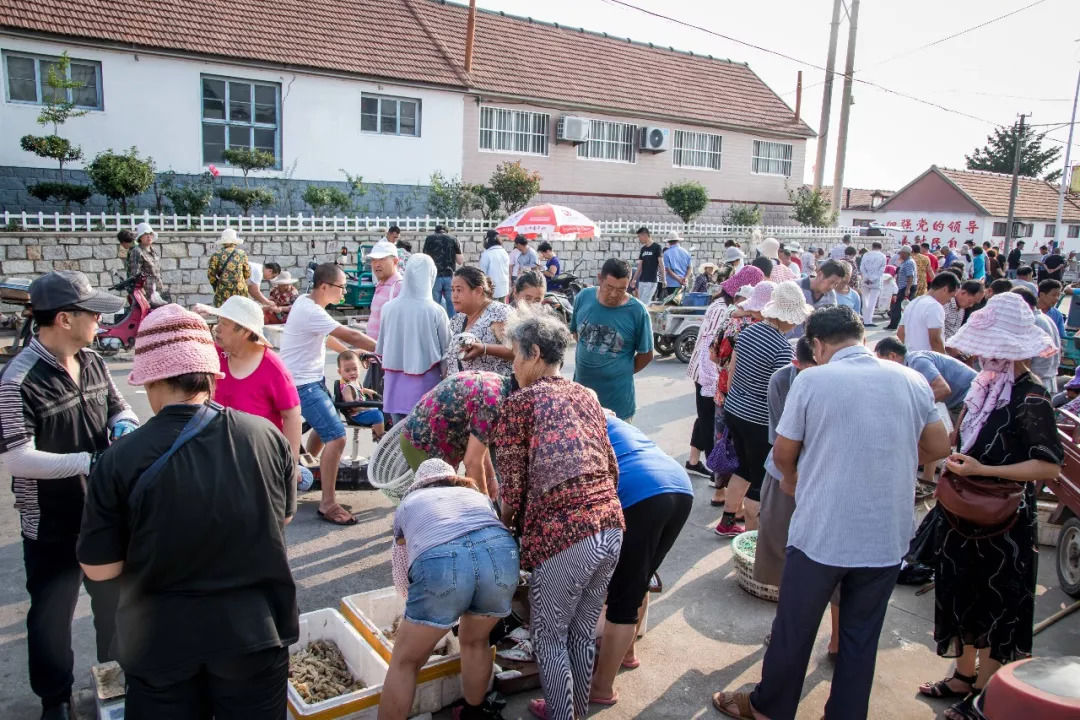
point(111, 339)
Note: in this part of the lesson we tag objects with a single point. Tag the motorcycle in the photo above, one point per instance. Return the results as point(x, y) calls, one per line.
point(560, 304)
point(120, 335)
point(571, 286)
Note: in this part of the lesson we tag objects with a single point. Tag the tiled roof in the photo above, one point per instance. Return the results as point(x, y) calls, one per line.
point(855, 198)
point(424, 41)
point(1035, 199)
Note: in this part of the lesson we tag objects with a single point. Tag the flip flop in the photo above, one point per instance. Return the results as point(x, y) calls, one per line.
point(631, 664)
point(327, 516)
point(608, 701)
point(538, 708)
point(721, 700)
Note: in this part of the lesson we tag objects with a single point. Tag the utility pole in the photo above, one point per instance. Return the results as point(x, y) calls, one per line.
point(845, 109)
point(1015, 185)
point(826, 98)
point(1059, 228)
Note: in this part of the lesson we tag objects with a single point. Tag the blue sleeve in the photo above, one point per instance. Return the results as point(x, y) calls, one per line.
point(926, 368)
point(1059, 320)
point(644, 331)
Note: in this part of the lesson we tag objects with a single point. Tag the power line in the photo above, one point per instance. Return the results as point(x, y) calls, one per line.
point(785, 56)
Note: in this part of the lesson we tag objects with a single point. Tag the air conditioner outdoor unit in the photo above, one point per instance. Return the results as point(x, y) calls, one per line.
point(572, 129)
point(655, 139)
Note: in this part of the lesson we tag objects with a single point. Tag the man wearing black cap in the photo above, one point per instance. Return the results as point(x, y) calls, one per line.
point(58, 409)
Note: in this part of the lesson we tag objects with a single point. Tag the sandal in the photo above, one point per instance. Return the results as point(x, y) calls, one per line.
point(631, 664)
point(337, 515)
point(608, 701)
point(538, 708)
point(741, 701)
point(941, 688)
point(965, 709)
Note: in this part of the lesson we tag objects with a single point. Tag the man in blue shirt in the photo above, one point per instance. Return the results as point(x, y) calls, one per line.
point(905, 284)
point(552, 267)
point(949, 379)
point(614, 337)
point(950, 258)
point(677, 265)
point(1049, 294)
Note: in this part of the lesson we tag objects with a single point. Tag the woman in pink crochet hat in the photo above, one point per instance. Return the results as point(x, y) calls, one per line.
point(190, 510)
point(985, 575)
point(702, 371)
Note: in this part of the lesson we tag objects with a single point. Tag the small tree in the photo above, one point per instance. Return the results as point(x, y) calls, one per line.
point(247, 198)
point(445, 196)
point(248, 160)
point(484, 199)
point(686, 199)
point(192, 198)
point(357, 190)
point(811, 207)
point(514, 185)
point(119, 176)
point(746, 215)
point(57, 110)
point(326, 197)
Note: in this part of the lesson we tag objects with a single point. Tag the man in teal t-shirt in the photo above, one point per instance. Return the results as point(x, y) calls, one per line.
point(614, 339)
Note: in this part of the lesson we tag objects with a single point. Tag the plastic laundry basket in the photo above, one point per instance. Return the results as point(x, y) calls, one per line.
point(388, 470)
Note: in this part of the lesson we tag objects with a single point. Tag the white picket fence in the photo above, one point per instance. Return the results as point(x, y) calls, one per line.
point(113, 222)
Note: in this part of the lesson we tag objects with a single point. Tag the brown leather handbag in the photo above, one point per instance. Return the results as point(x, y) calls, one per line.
point(988, 503)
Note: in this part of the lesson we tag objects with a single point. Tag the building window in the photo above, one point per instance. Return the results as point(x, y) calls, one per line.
point(240, 114)
point(999, 229)
point(28, 75)
point(612, 141)
point(1049, 230)
point(696, 150)
point(1074, 232)
point(1022, 230)
point(514, 131)
point(390, 115)
point(771, 158)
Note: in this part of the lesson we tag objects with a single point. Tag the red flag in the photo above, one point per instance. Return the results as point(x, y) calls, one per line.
point(214, 171)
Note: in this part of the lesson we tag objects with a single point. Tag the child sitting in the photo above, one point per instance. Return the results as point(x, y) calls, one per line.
point(348, 363)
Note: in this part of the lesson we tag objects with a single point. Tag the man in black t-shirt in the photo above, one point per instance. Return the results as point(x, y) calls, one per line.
point(1013, 261)
point(650, 267)
point(207, 609)
point(1053, 267)
point(446, 252)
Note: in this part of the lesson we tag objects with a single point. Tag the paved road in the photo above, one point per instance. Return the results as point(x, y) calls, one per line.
point(705, 632)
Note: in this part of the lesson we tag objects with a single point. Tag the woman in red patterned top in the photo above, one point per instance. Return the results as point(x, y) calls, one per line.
point(558, 475)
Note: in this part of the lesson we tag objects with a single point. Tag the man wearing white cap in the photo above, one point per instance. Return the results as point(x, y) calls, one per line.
point(384, 261)
point(677, 264)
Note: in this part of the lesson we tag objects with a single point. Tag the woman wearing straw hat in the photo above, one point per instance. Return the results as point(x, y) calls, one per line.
point(283, 294)
point(760, 351)
point(985, 576)
point(143, 260)
point(454, 560)
point(255, 381)
point(189, 510)
point(228, 271)
point(705, 277)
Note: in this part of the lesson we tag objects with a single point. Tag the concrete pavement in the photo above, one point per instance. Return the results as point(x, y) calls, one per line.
point(705, 632)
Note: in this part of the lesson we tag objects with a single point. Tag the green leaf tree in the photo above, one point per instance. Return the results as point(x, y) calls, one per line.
point(248, 160)
point(514, 185)
point(687, 199)
point(320, 198)
point(746, 215)
point(357, 190)
point(998, 153)
point(119, 176)
point(445, 196)
point(811, 207)
point(247, 197)
point(56, 110)
point(192, 198)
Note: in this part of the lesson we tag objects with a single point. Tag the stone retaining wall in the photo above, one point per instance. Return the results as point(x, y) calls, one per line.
point(185, 255)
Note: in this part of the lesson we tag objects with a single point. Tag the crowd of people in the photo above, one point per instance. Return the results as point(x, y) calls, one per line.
point(520, 468)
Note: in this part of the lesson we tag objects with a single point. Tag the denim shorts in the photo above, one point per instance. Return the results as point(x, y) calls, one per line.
point(474, 574)
point(368, 416)
point(318, 410)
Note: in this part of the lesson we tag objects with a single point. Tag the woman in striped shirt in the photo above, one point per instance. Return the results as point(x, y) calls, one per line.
point(760, 351)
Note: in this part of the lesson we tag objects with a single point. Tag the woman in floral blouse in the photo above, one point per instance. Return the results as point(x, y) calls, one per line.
point(228, 270)
point(453, 421)
point(482, 317)
point(283, 294)
point(558, 476)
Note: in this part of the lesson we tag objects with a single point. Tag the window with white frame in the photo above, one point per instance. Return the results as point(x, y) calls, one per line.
point(771, 158)
point(1074, 232)
point(388, 115)
point(1049, 230)
point(612, 141)
point(28, 80)
point(999, 229)
point(513, 131)
point(696, 150)
point(240, 114)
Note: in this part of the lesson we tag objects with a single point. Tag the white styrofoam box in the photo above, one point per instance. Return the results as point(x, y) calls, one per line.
point(1048, 532)
point(439, 681)
point(363, 662)
point(111, 710)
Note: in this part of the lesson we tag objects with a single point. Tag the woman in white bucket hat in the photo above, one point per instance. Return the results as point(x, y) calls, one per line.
point(229, 270)
point(255, 381)
point(283, 294)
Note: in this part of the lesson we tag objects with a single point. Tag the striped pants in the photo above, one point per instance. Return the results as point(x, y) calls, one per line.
point(567, 593)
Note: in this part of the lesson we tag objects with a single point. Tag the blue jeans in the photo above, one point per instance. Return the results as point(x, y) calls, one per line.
point(317, 408)
point(476, 573)
point(441, 293)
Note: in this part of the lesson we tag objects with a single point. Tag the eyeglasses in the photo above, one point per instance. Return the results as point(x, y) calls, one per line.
point(340, 287)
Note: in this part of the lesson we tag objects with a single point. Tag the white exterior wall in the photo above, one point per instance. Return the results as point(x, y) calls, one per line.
point(897, 218)
point(154, 103)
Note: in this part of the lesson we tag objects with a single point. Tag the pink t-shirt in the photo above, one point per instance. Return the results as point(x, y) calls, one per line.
point(384, 293)
point(267, 392)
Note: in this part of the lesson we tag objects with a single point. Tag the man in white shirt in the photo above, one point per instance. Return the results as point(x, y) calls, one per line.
point(871, 269)
point(260, 272)
point(807, 259)
point(837, 253)
point(303, 351)
point(922, 326)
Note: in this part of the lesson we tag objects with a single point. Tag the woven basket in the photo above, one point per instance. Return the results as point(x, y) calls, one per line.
point(389, 470)
point(742, 549)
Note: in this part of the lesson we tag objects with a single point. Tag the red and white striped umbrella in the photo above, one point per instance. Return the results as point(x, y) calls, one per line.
point(550, 222)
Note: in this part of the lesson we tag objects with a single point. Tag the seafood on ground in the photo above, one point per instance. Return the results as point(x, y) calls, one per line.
point(318, 672)
point(445, 647)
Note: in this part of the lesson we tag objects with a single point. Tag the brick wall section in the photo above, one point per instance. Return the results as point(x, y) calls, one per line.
point(185, 255)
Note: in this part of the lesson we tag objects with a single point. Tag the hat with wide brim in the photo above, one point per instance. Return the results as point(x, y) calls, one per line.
point(246, 313)
point(1004, 329)
point(706, 265)
point(433, 471)
point(788, 304)
point(747, 275)
point(733, 254)
point(171, 342)
point(760, 297)
point(284, 278)
point(229, 237)
point(770, 248)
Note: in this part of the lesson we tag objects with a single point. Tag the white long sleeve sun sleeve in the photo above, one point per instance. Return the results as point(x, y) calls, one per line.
point(26, 461)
